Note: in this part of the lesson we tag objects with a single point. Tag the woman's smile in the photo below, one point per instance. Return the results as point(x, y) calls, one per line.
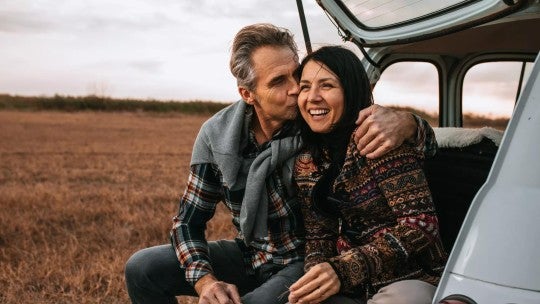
point(320, 100)
point(318, 112)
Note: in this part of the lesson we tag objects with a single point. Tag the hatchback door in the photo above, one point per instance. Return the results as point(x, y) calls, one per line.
point(383, 22)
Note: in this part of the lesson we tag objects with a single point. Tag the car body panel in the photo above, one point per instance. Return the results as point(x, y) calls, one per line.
point(487, 293)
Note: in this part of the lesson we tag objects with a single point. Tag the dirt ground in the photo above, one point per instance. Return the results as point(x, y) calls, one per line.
point(80, 192)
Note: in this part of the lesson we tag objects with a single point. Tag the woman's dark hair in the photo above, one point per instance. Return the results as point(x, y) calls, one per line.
point(357, 96)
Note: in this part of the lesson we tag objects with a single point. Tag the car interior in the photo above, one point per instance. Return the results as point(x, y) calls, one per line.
point(506, 32)
point(465, 155)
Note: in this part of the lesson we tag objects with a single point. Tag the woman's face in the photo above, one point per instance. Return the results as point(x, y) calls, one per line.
point(321, 98)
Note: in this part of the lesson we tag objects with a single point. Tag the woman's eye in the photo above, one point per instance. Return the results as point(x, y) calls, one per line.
point(304, 87)
point(327, 85)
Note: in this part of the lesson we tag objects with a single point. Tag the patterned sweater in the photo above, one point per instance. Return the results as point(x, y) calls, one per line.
point(387, 216)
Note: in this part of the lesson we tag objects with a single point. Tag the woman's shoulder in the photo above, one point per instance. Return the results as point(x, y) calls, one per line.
point(403, 156)
point(405, 150)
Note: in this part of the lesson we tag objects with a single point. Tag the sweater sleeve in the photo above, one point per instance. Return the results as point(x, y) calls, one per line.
point(400, 179)
point(320, 237)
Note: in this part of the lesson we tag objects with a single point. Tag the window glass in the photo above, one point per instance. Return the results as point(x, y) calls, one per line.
point(412, 85)
point(489, 93)
point(378, 13)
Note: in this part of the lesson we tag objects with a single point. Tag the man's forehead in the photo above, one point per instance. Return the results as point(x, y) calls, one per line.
point(276, 67)
point(268, 56)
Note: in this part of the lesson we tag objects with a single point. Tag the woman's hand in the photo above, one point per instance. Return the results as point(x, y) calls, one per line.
point(317, 285)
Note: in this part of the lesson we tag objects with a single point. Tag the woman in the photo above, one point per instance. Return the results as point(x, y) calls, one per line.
point(371, 229)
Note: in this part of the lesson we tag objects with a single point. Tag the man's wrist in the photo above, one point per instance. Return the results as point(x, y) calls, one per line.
point(411, 129)
point(203, 282)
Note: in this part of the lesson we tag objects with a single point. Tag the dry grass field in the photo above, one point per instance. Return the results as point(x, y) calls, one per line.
point(80, 192)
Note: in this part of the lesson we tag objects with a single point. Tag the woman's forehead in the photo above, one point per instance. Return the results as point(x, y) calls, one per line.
point(316, 69)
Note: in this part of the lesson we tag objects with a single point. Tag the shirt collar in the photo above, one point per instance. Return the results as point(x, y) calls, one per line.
point(252, 145)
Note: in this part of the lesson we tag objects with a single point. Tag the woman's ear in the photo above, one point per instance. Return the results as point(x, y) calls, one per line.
point(246, 95)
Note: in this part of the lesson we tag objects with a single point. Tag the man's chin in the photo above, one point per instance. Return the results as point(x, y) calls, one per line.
point(293, 113)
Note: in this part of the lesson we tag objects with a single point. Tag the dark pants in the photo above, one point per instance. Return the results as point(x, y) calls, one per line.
point(401, 292)
point(154, 275)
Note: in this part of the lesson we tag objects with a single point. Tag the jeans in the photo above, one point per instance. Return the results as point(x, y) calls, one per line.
point(154, 275)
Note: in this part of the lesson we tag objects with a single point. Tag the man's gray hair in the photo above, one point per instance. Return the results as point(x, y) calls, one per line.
point(249, 39)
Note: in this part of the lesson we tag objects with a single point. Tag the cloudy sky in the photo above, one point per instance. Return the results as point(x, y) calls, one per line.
point(146, 49)
point(164, 49)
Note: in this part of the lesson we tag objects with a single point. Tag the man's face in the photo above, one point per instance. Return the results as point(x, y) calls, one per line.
point(276, 89)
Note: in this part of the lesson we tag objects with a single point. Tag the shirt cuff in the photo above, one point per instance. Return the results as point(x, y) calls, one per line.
point(196, 270)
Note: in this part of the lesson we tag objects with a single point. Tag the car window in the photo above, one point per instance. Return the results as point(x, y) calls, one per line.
point(490, 91)
point(410, 84)
point(377, 13)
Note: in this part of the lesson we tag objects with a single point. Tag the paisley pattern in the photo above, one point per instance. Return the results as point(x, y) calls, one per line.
point(392, 226)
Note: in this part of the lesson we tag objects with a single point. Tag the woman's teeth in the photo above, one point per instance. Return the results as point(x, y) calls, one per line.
point(319, 112)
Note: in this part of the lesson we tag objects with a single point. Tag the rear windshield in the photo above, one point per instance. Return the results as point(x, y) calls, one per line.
point(385, 13)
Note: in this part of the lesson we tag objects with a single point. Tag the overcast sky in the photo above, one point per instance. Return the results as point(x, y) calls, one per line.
point(159, 49)
point(150, 49)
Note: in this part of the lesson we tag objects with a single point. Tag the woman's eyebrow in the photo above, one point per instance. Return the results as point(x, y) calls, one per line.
point(318, 79)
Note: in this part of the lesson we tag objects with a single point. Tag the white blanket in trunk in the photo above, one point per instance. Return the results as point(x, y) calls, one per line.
point(462, 137)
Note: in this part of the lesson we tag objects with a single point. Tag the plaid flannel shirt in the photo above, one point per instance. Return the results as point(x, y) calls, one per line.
point(205, 189)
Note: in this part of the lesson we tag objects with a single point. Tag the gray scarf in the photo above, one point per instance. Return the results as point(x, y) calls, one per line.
point(221, 141)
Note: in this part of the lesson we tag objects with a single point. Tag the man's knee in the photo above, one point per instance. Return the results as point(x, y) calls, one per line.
point(148, 264)
point(275, 289)
point(136, 267)
point(154, 275)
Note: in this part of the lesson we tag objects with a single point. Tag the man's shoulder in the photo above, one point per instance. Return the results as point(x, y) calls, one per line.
point(221, 117)
point(221, 124)
point(220, 135)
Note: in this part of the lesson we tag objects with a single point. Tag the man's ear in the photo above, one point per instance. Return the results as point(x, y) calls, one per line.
point(246, 95)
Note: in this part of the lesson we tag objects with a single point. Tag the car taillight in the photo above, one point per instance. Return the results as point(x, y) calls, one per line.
point(457, 299)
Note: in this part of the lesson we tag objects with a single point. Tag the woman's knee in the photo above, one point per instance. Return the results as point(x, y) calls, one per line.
point(405, 292)
point(341, 299)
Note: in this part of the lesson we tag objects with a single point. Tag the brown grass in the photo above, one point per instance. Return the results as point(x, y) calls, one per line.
point(80, 192)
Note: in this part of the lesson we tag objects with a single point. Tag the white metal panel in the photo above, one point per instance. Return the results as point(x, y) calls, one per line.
point(487, 293)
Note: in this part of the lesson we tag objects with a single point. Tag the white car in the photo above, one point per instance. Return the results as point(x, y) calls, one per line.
point(486, 185)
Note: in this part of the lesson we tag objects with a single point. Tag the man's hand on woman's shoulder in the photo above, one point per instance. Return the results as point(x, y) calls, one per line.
point(382, 129)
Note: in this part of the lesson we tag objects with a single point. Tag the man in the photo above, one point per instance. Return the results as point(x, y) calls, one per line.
point(243, 156)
